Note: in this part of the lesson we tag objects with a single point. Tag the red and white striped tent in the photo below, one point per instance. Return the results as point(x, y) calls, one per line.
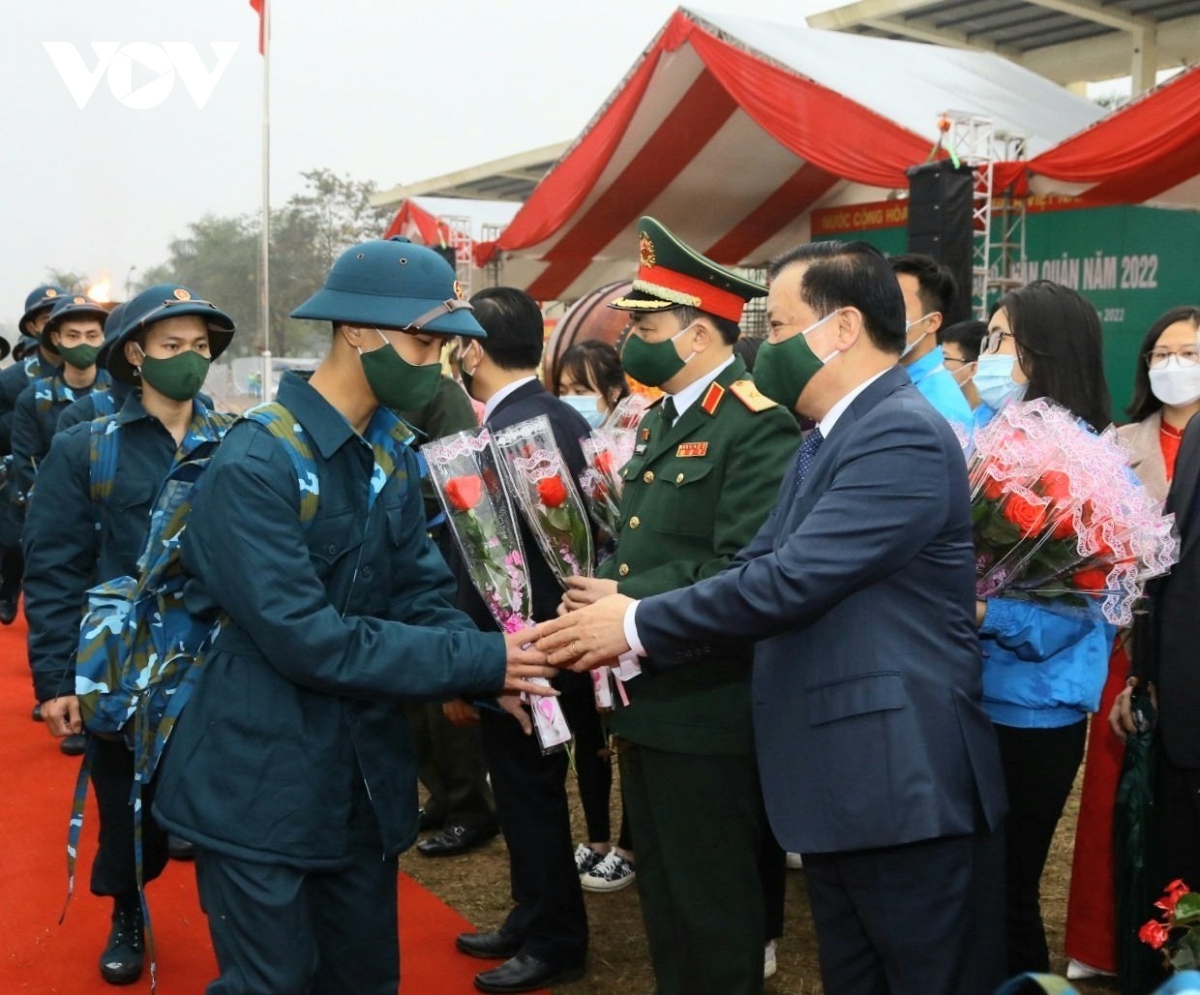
point(731, 130)
point(1145, 152)
point(415, 223)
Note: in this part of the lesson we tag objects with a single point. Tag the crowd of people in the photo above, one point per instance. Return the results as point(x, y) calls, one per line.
point(793, 573)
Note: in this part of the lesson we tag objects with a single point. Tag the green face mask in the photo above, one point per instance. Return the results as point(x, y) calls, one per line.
point(79, 356)
point(652, 363)
point(396, 383)
point(783, 369)
point(179, 377)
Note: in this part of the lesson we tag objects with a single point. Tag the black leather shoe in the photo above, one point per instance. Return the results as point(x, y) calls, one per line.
point(121, 962)
point(180, 849)
point(37, 712)
point(427, 820)
point(497, 945)
point(454, 840)
point(8, 610)
point(73, 745)
point(525, 973)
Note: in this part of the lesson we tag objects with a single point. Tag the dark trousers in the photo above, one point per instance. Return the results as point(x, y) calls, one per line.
point(12, 567)
point(548, 915)
point(898, 920)
point(1176, 833)
point(772, 868)
point(450, 765)
point(698, 822)
point(114, 871)
point(1039, 769)
point(277, 930)
point(593, 766)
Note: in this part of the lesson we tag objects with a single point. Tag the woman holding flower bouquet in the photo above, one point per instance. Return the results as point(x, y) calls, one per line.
point(1043, 667)
point(1166, 395)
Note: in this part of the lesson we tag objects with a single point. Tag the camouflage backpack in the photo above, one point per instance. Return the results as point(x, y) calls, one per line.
point(140, 650)
point(53, 390)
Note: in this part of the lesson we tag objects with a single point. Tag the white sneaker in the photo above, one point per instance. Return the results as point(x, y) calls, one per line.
point(586, 858)
point(794, 862)
point(613, 873)
point(769, 965)
point(1078, 970)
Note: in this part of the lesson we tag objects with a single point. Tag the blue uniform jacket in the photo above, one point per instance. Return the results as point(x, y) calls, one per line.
point(72, 545)
point(937, 385)
point(332, 628)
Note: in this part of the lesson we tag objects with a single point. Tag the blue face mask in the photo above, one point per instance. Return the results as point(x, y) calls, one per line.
point(588, 406)
point(994, 380)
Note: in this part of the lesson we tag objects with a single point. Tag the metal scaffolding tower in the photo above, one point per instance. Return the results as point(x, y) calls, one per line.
point(998, 222)
point(460, 238)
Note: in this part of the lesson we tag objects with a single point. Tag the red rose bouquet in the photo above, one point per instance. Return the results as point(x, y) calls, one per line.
point(462, 468)
point(1059, 517)
point(538, 479)
point(1173, 932)
point(606, 451)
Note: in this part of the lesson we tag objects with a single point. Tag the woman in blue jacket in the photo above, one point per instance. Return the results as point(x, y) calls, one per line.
point(1043, 669)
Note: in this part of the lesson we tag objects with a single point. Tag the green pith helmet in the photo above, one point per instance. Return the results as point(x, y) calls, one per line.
point(71, 306)
point(393, 283)
point(670, 274)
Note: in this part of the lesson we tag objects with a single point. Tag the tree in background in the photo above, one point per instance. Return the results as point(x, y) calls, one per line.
point(218, 258)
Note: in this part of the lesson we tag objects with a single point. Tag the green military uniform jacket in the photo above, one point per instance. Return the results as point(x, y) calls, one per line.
point(695, 494)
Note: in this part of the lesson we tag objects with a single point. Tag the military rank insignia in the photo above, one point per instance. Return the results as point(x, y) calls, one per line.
point(749, 395)
point(712, 398)
point(645, 251)
point(692, 449)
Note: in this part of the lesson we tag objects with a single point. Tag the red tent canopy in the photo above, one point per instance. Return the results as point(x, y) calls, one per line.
point(730, 131)
point(1147, 151)
point(416, 223)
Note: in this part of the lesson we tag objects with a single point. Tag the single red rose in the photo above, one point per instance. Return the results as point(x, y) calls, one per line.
point(603, 462)
point(1056, 485)
point(1024, 514)
point(464, 493)
point(993, 490)
point(1091, 579)
point(1154, 934)
point(551, 492)
point(1175, 891)
point(600, 492)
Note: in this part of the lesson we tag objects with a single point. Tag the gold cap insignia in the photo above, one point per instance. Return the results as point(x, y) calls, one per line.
point(51, 292)
point(645, 250)
point(182, 295)
point(79, 300)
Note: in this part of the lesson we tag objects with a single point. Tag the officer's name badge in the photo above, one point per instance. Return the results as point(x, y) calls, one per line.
point(692, 449)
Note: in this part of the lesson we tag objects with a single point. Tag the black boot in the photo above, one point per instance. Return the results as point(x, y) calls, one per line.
point(121, 962)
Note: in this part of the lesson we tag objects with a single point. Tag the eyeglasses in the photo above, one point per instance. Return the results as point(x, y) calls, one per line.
point(1156, 359)
point(955, 359)
point(991, 342)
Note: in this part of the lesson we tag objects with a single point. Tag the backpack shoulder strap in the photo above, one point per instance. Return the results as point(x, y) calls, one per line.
point(282, 424)
point(103, 403)
point(102, 458)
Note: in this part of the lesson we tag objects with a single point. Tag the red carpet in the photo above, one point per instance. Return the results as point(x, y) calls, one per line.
point(39, 956)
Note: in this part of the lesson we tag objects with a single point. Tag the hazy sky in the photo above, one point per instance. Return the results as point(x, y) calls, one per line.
point(388, 90)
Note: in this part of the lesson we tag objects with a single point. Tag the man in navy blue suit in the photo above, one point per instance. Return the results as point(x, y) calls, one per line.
point(877, 762)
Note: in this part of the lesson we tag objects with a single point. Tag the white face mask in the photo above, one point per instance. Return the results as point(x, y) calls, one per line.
point(1174, 384)
point(917, 341)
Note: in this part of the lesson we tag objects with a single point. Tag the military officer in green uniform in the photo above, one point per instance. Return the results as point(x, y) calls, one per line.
point(705, 473)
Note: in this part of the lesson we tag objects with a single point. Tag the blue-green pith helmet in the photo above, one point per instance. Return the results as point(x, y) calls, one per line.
point(396, 284)
point(112, 328)
point(155, 304)
point(71, 306)
point(40, 299)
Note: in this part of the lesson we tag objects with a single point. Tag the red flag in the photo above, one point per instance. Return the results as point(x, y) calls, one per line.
point(262, 41)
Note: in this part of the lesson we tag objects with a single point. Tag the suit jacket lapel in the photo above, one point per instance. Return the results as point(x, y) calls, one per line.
point(1183, 493)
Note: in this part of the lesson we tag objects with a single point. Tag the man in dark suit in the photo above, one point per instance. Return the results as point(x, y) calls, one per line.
point(877, 762)
point(1164, 656)
point(545, 935)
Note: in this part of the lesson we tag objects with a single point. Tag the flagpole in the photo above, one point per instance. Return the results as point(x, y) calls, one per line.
point(264, 286)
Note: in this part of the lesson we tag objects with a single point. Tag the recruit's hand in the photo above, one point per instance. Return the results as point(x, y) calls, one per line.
point(1120, 719)
point(524, 662)
point(587, 638)
point(460, 713)
point(584, 591)
point(61, 716)
point(517, 709)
